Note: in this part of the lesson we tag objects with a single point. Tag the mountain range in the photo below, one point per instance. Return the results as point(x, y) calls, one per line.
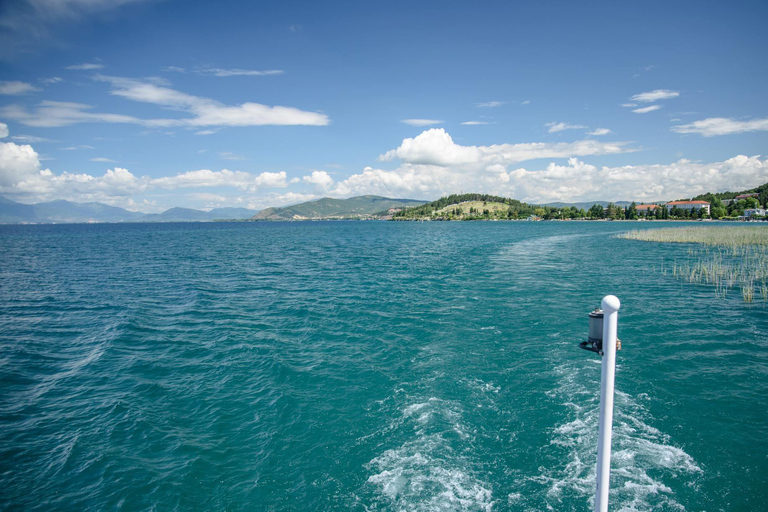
point(328, 208)
point(66, 212)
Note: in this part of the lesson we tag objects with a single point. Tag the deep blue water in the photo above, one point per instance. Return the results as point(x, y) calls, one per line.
point(367, 366)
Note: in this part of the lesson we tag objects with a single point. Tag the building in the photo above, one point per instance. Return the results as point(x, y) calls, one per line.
point(689, 205)
point(760, 212)
point(745, 196)
point(646, 208)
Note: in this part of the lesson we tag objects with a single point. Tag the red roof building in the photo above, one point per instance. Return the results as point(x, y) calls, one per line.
point(688, 205)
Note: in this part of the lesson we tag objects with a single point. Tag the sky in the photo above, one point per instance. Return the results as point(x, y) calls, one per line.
point(151, 104)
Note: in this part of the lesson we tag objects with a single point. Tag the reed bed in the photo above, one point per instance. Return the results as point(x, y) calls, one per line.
point(726, 258)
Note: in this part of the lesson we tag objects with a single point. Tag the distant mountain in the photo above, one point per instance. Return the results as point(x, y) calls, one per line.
point(64, 212)
point(231, 213)
point(588, 204)
point(12, 212)
point(68, 212)
point(328, 208)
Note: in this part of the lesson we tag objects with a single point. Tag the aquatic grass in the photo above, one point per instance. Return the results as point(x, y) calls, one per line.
point(722, 257)
point(728, 236)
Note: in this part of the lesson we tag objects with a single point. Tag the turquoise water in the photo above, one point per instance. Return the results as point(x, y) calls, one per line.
point(367, 366)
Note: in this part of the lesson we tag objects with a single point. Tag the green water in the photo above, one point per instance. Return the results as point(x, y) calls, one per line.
point(367, 366)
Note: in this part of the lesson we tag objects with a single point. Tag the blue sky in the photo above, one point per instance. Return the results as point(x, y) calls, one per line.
point(149, 104)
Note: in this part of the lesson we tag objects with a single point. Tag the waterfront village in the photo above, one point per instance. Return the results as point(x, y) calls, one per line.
point(743, 207)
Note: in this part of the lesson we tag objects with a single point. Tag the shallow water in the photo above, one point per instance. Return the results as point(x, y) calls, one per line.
point(367, 366)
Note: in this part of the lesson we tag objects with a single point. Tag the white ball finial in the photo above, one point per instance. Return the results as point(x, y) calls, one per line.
point(610, 304)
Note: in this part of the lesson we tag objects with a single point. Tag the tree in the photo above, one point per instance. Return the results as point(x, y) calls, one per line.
point(719, 211)
point(632, 211)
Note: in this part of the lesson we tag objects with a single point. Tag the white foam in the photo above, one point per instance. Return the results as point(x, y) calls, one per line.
point(639, 451)
point(430, 472)
point(413, 477)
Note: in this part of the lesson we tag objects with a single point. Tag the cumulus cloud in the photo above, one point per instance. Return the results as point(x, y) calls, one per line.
point(599, 131)
point(651, 96)
point(205, 112)
point(205, 178)
point(436, 147)
point(722, 126)
point(559, 127)
point(321, 179)
point(17, 163)
point(645, 110)
point(16, 88)
point(421, 122)
point(575, 181)
point(3, 130)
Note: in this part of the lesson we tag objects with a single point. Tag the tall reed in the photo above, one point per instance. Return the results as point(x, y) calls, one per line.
point(723, 257)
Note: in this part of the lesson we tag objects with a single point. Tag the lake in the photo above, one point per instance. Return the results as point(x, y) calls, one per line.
point(368, 366)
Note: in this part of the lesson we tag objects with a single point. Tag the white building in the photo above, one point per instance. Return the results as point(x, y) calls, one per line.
point(754, 211)
point(689, 205)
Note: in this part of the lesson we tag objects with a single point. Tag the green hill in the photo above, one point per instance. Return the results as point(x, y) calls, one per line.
point(328, 208)
point(469, 207)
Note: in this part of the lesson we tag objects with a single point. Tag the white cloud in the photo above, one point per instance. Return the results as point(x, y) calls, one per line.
point(205, 178)
point(52, 80)
point(599, 131)
point(102, 159)
point(436, 147)
point(16, 88)
point(3, 130)
point(474, 123)
point(575, 181)
point(208, 112)
point(174, 69)
point(491, 104)
point(526, 102)
point(228, 155)
point(645, 110)
point(559, 127)
point(271, 179)
point(651, 96)
point(52, 114)
point(88, 66)
point(722, 126)
point(75, 148)
point(239, 72)
point(321, 179)
point(206, 132)
point(205, 112)
point(421, 122)
point(629, 105)
point(17, 163)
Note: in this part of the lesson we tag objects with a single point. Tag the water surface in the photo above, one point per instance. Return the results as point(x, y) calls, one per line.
point(367, 366)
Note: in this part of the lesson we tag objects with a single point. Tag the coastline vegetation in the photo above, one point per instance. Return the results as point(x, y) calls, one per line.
point(725, 206)
point(723, 257)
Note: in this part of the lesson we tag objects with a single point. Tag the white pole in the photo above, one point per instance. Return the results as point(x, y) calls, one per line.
point(610, 307)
